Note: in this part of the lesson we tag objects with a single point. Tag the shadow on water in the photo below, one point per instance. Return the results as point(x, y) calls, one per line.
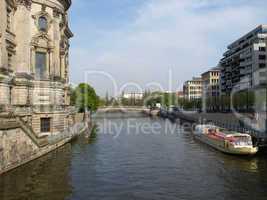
point(46, 178)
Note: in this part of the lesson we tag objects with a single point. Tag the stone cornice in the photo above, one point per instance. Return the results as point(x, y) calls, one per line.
point(68, 32)
point(63, 5)
point(66, 3)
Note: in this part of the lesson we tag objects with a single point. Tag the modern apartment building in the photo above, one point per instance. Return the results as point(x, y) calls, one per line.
point(211, 82)
point(193, 88)
point(244, 63)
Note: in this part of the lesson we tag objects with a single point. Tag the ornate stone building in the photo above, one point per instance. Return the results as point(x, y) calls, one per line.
point(34, 66)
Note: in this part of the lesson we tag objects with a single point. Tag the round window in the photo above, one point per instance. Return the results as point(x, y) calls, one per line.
point(42, 23)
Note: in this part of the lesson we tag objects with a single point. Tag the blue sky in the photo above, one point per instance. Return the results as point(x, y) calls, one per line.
point(140, 42)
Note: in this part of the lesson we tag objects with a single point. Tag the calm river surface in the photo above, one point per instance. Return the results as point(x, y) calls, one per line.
point(137, 158)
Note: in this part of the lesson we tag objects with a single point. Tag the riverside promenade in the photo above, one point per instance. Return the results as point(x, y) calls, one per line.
point(122, 109)
point(255, 125)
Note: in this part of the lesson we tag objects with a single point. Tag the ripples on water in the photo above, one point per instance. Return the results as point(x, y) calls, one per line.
point(137, 165)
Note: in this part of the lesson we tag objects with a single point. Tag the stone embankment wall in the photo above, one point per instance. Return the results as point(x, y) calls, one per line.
point(15, 146)
point(19, 144)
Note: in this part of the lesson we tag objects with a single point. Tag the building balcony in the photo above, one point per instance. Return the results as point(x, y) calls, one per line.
point(228, 69)
point(263, 82)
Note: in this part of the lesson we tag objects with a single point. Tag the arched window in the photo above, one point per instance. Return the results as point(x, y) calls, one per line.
point(42, 23)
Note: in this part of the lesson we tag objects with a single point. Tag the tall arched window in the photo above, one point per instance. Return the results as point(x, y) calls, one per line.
point(42, 23)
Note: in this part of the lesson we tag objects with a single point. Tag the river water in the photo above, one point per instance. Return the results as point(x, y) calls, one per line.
point(132, 157)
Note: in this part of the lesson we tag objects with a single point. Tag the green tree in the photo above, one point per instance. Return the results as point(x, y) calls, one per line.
point(86, 98)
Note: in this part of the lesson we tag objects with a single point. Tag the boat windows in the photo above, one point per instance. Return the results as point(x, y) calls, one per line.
point(242, 141)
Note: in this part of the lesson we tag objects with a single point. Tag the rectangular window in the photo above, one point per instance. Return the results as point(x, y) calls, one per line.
point(262, 48)
point(262, 57)
point(45, 125)
point(262, 65)
point(40, 65)
point(263, 74)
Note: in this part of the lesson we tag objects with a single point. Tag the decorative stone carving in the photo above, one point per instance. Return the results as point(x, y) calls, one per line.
point(42, 40)
point(49, 19)
point(64, 45)
point(56, 12)
point(26, 3)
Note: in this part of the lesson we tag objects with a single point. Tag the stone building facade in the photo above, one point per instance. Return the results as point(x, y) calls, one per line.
point(34, 66)
point(35, 113)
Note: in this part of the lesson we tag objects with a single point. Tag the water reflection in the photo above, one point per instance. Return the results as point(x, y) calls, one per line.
point(46, 178)
point(241, 163)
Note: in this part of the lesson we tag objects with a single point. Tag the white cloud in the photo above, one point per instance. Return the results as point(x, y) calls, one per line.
point(187, 36)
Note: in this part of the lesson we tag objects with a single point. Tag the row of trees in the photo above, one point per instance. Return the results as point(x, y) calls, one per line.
point(243, 101)
point(84, 97)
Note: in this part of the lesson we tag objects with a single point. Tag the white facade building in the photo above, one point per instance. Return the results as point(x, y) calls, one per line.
point(193, 88)
point(133, 95)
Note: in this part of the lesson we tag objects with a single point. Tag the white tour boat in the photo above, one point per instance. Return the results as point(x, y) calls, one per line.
point(225, 141)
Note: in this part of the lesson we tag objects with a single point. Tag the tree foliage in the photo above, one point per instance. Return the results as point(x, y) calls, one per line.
point(164, 98)
point(84, 98)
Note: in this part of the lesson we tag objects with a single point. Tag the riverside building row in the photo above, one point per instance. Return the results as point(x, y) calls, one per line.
point(243, 67)
point(208, 85)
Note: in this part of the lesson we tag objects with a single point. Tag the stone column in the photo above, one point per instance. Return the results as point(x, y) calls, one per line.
point(56, 40)
point(62, 67)
point(51, 66)
point(22, 27)
point(1, 44)
point(3, 17)
point(66, 69)
point(32, 60)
